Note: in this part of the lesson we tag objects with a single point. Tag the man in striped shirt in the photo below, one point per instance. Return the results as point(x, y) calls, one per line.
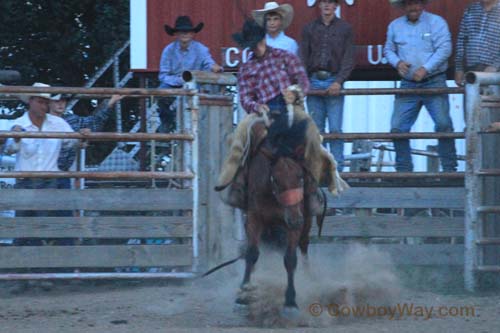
point(478, 42)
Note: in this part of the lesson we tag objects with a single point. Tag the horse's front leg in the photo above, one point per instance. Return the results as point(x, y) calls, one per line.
point(290, 261)
point(253, 230)
point(304, 244)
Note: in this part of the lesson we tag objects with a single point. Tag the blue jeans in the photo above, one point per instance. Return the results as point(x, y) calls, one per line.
point(331, 107)
point(406, 110)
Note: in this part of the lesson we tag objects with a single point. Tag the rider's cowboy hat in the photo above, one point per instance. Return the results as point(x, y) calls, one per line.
point(251, 34)
point(26, 97)
point(285, 10)
point(401, 3)
point(183, 24)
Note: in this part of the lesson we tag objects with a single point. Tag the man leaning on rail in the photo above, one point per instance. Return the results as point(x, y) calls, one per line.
point(38, 154)
point(183, 54)
point(418, 45)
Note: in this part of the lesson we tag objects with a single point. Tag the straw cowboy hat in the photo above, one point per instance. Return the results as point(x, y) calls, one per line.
point(401, 3)
point(26, 97)
point(251, 34)
point(285, 10)
point(183, 24)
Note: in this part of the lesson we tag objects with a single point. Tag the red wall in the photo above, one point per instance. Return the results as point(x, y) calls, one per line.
point(224, 17)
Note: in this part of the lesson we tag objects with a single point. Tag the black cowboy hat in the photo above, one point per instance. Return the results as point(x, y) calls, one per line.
point(251, 34)
point(184, 24)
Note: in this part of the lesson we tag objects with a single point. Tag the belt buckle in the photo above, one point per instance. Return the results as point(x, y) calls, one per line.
point(322, 75)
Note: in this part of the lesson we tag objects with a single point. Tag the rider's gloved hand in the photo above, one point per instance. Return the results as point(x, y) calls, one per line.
point(289, 96)
point(262, 109)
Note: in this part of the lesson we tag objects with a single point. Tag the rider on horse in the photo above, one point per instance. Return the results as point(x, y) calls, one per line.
point(271, 87)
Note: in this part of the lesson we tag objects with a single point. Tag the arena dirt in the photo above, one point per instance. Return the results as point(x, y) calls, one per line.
point(357, 293)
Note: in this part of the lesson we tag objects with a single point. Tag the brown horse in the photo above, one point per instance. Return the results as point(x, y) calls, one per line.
point(277, 183)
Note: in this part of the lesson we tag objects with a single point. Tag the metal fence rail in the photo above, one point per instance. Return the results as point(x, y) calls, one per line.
point(477, 189)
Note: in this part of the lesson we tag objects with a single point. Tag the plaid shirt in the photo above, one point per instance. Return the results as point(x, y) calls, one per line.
point(262, 79)
point(478, 41)
point(95, 123)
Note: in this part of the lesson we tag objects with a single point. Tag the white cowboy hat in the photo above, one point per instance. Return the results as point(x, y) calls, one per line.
point(285, 10)
point(26, 97)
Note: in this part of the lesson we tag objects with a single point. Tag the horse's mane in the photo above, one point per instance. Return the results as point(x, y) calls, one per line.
point(286, 140)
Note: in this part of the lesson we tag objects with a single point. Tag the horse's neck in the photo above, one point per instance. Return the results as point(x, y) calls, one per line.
point(259, 171)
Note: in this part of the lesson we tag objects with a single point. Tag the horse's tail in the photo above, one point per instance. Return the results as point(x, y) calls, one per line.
point(320, 218)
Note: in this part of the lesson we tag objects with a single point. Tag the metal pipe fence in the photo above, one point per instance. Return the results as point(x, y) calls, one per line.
point(474, 183)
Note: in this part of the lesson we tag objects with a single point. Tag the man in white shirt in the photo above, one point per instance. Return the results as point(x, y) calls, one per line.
point(37, 154)
point(275, 19)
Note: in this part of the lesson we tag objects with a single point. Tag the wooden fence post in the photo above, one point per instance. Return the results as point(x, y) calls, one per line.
point(216, 219)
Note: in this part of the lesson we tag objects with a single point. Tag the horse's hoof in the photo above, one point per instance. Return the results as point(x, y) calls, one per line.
point(290, 312)
point(242, 300)
point(248, 287)
point(242, 309)
point(245, 298)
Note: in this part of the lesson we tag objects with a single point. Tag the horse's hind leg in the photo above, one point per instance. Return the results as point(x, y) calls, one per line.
point(304, 235)
point(251, 257)
point(304, 245)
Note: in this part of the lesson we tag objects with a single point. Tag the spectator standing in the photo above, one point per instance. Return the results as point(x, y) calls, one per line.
point(184, 54)
point(275, 19)
point(38, 154)
point(327, 53)
point(418, 45)
point(94, 123)
point(478, 42)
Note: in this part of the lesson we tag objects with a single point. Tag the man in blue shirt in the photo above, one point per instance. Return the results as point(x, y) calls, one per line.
point(418, 45)
point(184, 54)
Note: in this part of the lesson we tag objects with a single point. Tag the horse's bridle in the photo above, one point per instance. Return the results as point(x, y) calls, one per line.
point(288, 198)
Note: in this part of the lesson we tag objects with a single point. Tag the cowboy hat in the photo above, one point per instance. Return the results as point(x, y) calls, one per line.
point(184, 24)
point(251, 34)
point(26, 97)
point(285, 10)
point(401, 3)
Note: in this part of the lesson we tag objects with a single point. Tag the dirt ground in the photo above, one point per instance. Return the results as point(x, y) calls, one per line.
point(365, 296)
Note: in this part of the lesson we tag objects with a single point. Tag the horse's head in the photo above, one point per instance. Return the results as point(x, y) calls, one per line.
point(287, 183)
point(287, 172)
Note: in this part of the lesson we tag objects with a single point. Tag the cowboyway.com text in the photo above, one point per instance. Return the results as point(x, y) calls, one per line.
point(392, 311)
